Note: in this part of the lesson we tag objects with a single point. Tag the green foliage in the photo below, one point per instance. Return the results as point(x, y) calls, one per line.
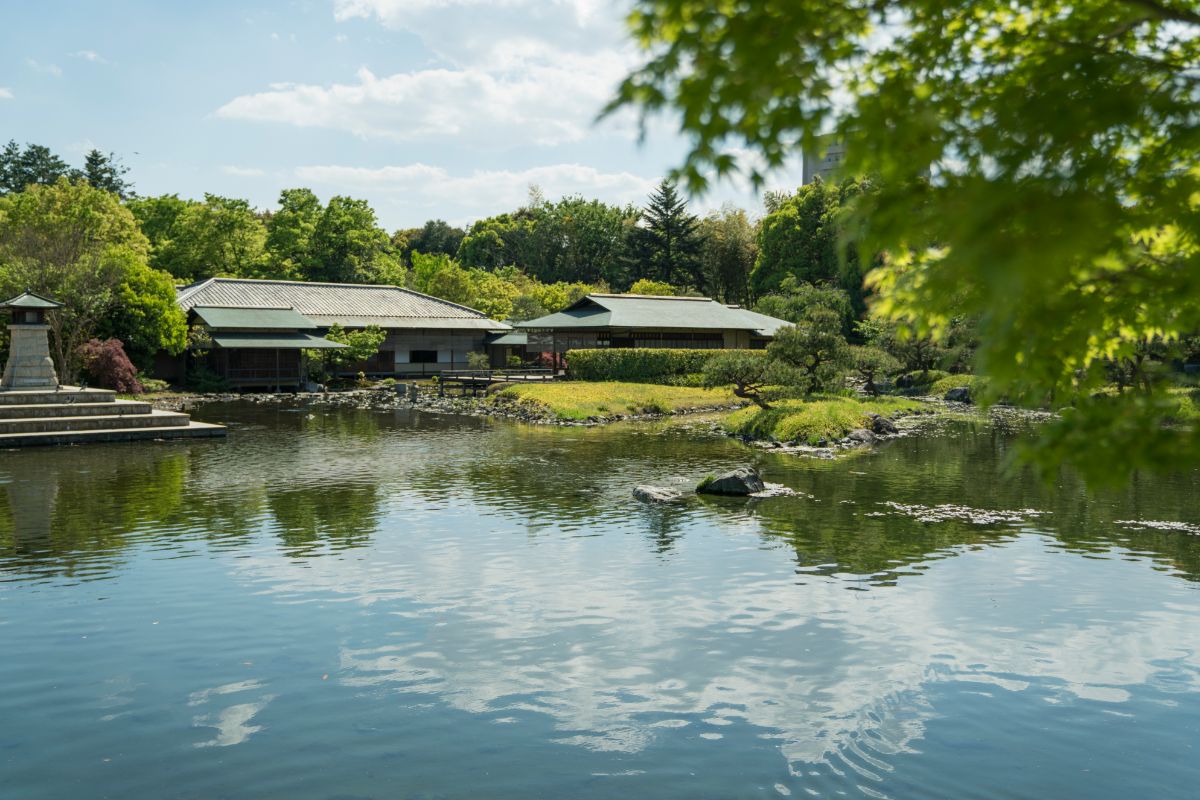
point(815, 348)
point(814, 421)
point(637, 364)
point(194, 241)
point(916, 352)
point(978, 384)
point(654, 288)
point(436, 237)
point(200, 378)
point(571, 240)
point(805, 238)
point(581, 400)
point(478, 361)
point(145, 315)
point(80, 246)
point(728, 255)
point(290, 233)
point(33, 165)
point(921, 380)
point(361, 345)
point(347, 246)
point(1061, 214)
point(793, 299)
point(106, 172)
point(749, 372)
point(871, 364)
point(154, 384)
point(667, 246)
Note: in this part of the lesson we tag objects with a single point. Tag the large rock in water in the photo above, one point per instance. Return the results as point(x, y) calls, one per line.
point(861, 437)
point(961, 394)
point(881, 425)
point(657, 494)
point(742, 481)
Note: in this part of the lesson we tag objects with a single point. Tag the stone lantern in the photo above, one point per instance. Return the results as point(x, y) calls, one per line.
point(29, 365)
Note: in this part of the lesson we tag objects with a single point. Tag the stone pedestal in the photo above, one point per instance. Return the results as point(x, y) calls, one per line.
point(29, 365)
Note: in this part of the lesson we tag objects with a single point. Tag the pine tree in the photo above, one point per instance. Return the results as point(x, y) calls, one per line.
point(667, 247)
point(108, 173)
point(35, 164)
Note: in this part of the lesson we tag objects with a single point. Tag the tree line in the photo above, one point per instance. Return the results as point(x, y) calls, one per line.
point(84, 236)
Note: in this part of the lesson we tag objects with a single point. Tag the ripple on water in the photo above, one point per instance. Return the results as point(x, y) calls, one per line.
point(342, 603)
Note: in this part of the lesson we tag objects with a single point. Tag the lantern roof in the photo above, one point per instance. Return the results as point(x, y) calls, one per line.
point(28, 299)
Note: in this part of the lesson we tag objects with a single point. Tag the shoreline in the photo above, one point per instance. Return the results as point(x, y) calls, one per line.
point(391, 400)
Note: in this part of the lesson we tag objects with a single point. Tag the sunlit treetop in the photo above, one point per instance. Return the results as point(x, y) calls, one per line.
point(1062, 147)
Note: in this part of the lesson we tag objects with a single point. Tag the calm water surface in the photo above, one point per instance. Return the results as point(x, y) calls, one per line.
point(348, 604)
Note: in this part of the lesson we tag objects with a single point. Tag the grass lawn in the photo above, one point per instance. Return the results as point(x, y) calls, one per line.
point(810, 421)
point(1187, 400)
point(579, 400)
point(976, 383)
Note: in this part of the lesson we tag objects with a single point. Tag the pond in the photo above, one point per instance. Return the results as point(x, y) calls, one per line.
point(356, 604)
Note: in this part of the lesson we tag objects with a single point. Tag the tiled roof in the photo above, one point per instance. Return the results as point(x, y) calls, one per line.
point(645, 311)
point(348, 304)
point(259, 318)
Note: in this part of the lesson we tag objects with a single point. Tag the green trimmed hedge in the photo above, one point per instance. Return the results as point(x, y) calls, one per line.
point(676, 366)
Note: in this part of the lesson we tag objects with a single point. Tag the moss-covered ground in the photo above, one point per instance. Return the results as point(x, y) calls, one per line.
point(581, 400)
point(813, 420)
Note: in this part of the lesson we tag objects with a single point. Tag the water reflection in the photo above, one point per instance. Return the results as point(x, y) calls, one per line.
point(392, 596)
point(321, 480)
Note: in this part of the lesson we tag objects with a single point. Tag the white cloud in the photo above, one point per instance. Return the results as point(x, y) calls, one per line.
point(481, 192)
point(90, 55)
point(508, 73)
point(5, 93)
point(49, 69)
point(243, 172)
point(532, 101)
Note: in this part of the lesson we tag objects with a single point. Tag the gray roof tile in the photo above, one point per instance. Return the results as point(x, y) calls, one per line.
point(350, 305)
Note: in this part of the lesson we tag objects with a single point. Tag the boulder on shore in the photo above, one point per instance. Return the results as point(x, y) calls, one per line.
point(881, 425)
point(860, 437)
point(657, 494)
point(742, 481)
point(960, 394)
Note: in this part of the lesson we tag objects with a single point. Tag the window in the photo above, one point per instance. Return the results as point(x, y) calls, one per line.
point(422, 356)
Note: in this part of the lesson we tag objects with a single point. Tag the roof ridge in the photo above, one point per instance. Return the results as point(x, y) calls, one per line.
point(650, 297)
point(310, 283)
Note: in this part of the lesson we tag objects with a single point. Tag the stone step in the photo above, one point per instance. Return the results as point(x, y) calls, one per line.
point(192, 430)
point(68, 394)
point(155, 419)
point(120, 407)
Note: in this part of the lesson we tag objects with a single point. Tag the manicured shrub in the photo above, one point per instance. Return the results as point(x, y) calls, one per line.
point(976, 383)
point(919, 379)
point(107, 366)
point(641, 365)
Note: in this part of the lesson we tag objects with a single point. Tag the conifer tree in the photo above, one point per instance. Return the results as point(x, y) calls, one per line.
point(667, 247)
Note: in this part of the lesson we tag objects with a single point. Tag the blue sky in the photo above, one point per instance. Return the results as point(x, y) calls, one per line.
point(428, 108)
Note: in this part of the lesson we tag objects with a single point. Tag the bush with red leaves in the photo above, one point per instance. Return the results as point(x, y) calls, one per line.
point(107, 366)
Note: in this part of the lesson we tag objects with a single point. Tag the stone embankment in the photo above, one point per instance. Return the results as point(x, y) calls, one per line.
point(389, 399)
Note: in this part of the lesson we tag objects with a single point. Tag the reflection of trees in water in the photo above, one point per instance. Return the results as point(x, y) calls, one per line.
point(318, 480)
point(73, 509)
point(339, 517)
point(73, 512)
point(967, 470)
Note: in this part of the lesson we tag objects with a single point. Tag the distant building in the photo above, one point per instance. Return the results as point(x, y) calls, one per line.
point(260, 328)
point(824, 160)
point(628, 320)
